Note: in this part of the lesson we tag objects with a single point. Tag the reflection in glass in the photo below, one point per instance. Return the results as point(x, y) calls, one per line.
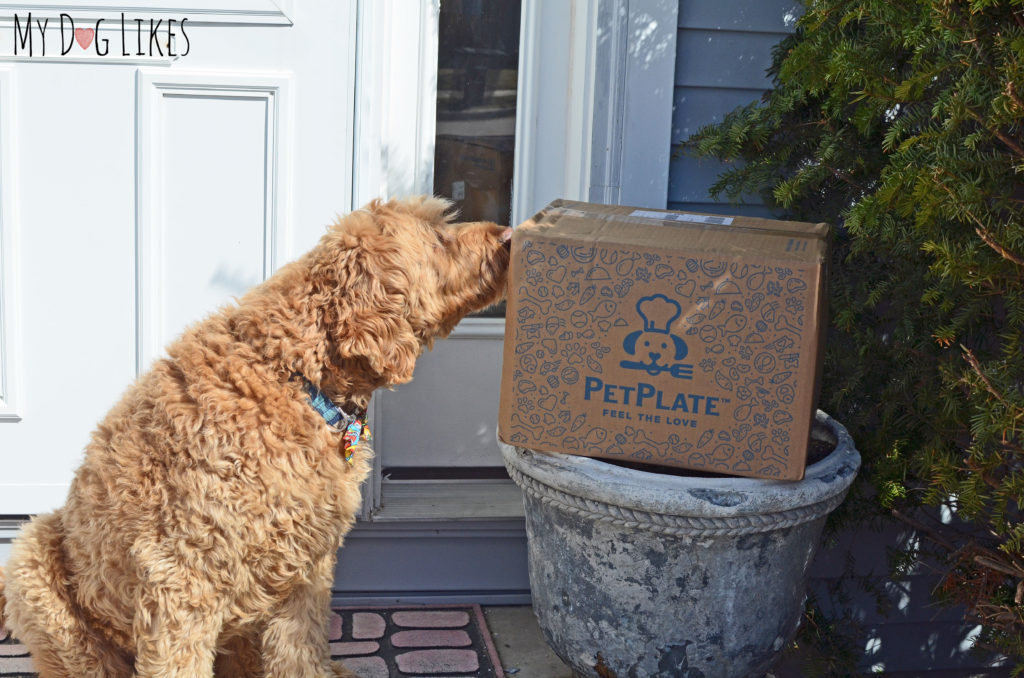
point(478, 61)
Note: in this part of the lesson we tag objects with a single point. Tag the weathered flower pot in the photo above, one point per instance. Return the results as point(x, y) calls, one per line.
point(638, 574)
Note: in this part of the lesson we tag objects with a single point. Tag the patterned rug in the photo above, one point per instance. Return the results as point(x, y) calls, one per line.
point(376, 642)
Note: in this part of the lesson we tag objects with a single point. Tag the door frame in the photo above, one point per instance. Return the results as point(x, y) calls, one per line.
point(10, 315)
point(581, 134)
point(396, 94)
point(595, 110)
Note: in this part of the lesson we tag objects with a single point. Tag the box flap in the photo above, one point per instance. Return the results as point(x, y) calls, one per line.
point(663, 229)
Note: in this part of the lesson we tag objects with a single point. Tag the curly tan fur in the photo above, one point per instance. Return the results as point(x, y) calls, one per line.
point(200, 533)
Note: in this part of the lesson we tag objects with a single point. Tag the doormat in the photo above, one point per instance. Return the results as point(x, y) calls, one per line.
point(381, 642)
point(375, 642)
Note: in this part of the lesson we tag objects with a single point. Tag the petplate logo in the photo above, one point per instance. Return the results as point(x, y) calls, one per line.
point(655, 342)
point(37, 36)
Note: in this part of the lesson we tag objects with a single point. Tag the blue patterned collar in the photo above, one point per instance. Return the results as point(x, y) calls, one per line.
point(353, 427)
point(334, 416)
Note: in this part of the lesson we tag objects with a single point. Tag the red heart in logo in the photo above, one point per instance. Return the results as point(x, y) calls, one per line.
point(84, 36)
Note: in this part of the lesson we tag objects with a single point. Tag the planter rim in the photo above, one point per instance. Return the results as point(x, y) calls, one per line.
point(592, 480)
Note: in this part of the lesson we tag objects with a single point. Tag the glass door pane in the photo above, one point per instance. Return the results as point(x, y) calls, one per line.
point(478, 62)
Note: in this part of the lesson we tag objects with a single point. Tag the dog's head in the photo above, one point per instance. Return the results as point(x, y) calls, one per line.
point(403, 274)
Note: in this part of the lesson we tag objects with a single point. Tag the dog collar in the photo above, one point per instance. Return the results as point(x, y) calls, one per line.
point(332, 414)
point(352, 425)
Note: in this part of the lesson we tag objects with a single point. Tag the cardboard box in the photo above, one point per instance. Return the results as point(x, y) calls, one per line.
point(476, 173)
point(668, 338)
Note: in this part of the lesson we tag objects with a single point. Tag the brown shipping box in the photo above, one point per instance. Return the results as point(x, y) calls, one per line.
point(667, 338)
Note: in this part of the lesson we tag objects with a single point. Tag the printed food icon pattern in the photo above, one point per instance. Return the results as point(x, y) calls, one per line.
point(739, 325)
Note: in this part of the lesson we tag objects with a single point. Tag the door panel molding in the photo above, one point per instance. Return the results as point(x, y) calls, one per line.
point(153, 89)
point(10, 293)
point(116, 23)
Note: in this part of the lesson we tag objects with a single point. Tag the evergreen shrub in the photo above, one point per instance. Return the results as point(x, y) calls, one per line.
point(900, 122)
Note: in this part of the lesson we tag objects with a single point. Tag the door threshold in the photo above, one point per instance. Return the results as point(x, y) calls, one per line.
point(445, 500)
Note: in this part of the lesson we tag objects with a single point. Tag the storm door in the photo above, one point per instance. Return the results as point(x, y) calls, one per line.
point(501, 106)
point(437, 453)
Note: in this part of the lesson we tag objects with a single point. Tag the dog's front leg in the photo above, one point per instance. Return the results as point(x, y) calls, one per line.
point(295, 641)
point(176, 629)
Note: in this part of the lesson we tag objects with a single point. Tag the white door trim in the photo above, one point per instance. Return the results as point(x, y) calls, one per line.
point(10, 292)
point(393, 146)
point(635, 76)
point(595, 103)
point(396, 99)
point(554, 104)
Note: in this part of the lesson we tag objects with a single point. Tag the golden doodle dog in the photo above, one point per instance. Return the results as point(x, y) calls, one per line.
point(199, 535)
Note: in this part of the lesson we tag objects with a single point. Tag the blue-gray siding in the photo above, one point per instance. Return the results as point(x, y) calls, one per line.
point(723, 50)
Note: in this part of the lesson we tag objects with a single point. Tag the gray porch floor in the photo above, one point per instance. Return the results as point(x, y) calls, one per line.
point(520, 644)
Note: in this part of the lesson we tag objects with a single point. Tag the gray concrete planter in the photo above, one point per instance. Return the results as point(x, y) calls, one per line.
point(637, 575)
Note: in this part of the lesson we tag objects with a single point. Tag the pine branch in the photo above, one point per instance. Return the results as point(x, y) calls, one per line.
point(1006, 568)
point(1011, 92)
point(982, 232)
point(895, 180)
point(991, 242)
point(972, 360)
point(845, 178)
point(999, 134)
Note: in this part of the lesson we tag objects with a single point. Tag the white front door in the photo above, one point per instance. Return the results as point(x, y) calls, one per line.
point(157, 161)
point(154, 163)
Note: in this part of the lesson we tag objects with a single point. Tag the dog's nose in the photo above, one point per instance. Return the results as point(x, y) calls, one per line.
point(654, 356)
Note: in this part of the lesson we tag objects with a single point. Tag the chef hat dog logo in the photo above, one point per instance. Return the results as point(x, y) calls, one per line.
point(655, 349)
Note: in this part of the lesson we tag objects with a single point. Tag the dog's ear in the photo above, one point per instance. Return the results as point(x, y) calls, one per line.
point(369, 295)
point(372, 326)
point(629, 343)
point(681, 348)
point(390, 352)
